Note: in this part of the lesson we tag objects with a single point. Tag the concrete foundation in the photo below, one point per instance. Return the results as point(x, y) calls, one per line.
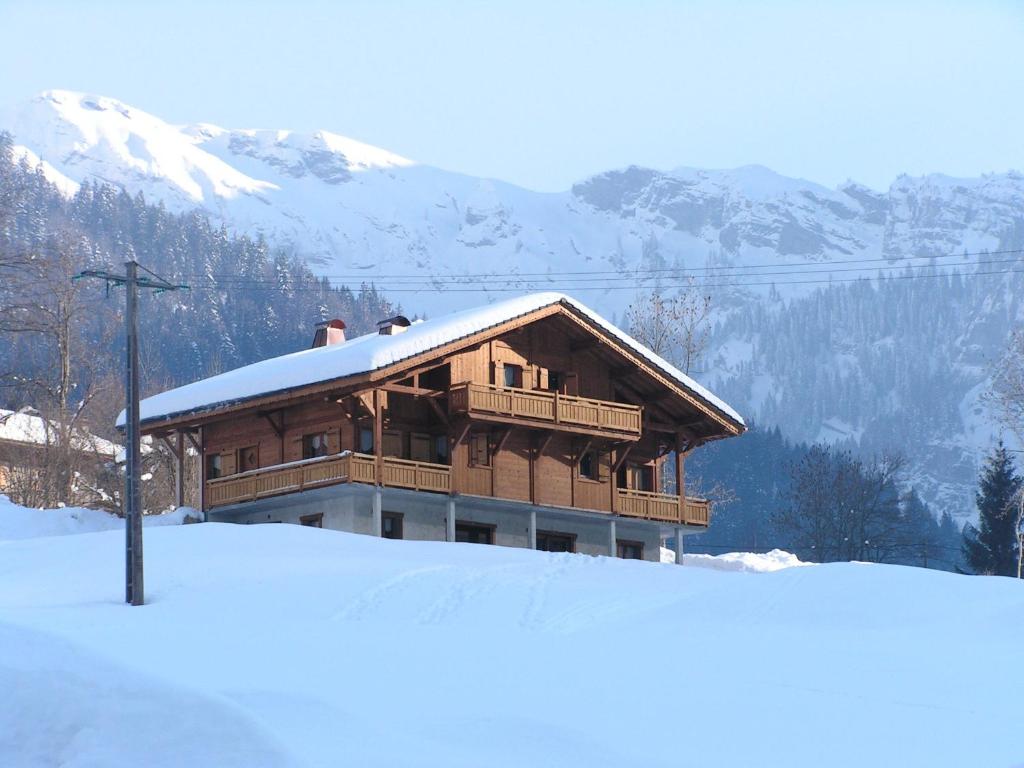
point(432, 517)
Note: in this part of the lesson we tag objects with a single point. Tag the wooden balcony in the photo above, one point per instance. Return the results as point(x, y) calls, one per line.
point(663, 507)
point(547, 410)
point(328, 470)
point(347, 467)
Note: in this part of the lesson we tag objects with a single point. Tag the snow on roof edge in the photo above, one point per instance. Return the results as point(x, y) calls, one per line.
point(371, 352)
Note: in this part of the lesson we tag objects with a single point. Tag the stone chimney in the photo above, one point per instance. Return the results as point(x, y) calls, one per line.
point(329, 333)
point(393, 325)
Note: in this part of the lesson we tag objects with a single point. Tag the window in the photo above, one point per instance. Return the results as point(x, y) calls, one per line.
point(639, 477)
point(314, 446)
point(441, 448)
point(588, 465)
point(248, 458)
point(550, 541)
point(365, 440)
point(630, 550)
point(391, 525)
point(555, 381)
point(392, 444)
point(312, 521)
point(514, 376)
point(419, 446)
point(213, 466)
point(474, 533)
point(479, 450)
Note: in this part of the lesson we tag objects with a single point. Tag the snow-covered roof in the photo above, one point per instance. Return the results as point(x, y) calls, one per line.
point(373, 351)
point(27, 426)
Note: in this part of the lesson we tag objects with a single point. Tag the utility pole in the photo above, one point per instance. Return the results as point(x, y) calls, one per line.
point(134, 591)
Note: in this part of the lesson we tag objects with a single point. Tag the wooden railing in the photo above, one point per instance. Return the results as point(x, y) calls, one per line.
point(328, 470)
point(549, 407)
point(663, 507)
point(417, 475)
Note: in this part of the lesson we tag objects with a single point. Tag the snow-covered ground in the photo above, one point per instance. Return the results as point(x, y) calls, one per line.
point(279, 645)
point(20, 523)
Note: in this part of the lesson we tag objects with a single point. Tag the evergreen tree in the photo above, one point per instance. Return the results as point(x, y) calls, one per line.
point(991, 548)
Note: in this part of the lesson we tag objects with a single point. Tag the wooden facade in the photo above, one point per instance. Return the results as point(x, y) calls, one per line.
point(544, 409)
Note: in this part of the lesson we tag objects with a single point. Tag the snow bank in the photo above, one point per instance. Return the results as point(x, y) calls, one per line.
point(749, 562)
point(17, 522)
point(319, 648)
point(71, 707)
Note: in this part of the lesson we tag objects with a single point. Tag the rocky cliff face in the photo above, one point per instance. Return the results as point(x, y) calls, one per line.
point(765, 245)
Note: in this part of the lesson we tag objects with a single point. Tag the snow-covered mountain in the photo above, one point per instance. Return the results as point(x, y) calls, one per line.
point(429, 237)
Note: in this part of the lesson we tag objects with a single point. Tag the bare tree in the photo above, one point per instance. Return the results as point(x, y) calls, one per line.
point(1007, 390)
point(673, 326)
point(44, 320)
point(841, 508)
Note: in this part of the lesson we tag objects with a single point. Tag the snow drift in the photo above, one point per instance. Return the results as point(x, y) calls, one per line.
point(282, 645)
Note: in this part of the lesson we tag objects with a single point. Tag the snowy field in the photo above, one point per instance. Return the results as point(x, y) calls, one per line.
point(279, 645)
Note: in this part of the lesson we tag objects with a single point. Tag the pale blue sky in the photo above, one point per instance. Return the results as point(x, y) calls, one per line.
point(545, 93)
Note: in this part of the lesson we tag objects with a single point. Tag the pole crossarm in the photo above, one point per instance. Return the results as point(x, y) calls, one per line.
point(134, 592)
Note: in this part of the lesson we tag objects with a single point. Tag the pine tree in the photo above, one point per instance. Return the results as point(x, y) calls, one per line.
point(991, 548)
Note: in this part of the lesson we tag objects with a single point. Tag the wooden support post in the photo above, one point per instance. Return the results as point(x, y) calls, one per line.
point(613, 481)
point(681, 477)
point(179, 475)
point(378, 438)
point(202, 474)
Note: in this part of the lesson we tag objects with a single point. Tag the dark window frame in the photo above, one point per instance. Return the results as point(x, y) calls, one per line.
point(310, 449)
point(212, 473)
point(562, 535)
point(364, 432)
point(397, 520)
point(593, 472)
point(487, 528)
point(513, 372)
point(622, 544)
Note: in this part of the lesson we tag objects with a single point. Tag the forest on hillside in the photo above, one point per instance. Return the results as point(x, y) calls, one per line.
point(245, 301)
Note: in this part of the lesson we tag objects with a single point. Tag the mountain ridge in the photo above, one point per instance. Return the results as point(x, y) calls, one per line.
point(438, 240)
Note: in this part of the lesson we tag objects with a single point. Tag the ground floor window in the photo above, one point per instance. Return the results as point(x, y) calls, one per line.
point(391, 525)
point(474, 533)
point(630, 550)
point(312, 521)
point(551, 541)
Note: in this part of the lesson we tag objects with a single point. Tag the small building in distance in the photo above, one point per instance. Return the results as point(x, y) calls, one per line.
point(528, 422)
point(36, 451)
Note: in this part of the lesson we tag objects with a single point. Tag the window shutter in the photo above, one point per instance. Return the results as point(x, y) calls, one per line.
point(227, 463)
point(334, 441)
point(478, 450)
point(604, 466)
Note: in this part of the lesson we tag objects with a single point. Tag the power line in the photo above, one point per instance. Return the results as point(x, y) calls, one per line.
point(255, 285)
point(825, 266)
point(431, 281)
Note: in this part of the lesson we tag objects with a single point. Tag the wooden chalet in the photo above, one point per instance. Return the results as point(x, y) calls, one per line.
point(528, 422)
